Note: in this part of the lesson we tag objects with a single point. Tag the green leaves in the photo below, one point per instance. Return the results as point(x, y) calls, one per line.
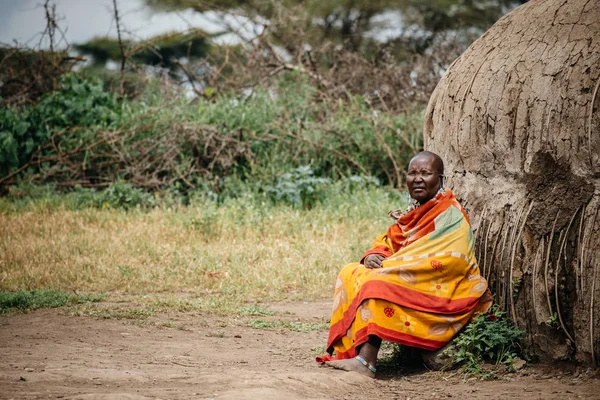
point(21, 128)
point(299, 188)
point(122, 195)
point(489, 337)
point(284, 140)
point(78, 103)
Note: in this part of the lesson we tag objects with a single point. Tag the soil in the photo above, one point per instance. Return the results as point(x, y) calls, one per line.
point(53, 354)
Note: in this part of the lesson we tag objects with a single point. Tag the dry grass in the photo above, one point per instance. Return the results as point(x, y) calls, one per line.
point(242, 251)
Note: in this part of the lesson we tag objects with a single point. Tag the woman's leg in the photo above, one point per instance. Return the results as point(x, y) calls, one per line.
point(367, 352)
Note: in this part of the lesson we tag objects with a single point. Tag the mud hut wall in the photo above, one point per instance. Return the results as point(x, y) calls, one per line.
point(516, 120)
point(527, 89)
point(551, 293)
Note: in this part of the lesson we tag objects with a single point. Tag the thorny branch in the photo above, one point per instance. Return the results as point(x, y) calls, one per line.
point(121, 46)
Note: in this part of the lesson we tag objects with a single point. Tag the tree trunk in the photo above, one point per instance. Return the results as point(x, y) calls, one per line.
point(516, 120)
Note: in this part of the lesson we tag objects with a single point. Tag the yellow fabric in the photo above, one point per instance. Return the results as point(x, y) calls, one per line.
point(422, 296)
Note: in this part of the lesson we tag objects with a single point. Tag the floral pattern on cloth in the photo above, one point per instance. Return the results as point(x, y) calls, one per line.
point(427, 290)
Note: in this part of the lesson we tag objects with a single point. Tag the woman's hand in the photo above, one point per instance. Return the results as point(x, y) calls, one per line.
point(374, 261)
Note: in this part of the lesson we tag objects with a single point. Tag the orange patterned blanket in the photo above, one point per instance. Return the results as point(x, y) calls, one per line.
point(428, 289)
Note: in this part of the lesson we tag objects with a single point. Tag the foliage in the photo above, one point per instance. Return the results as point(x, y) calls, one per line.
point(118, 195)
point(294, 98)
point(299, 188)
point(26, 75)
point(81, 135)
point(75, 105)
point(490, 337)
point(553, 321)
point(390, 53)
point(353, 23)
point(42, 298)
point(160, 50)
point(122, 195)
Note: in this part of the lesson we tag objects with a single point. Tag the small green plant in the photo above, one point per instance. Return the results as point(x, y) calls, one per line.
point(299, 188)
point(552, 321)
point(491, 338)
point(123, 195)
point(45, 298)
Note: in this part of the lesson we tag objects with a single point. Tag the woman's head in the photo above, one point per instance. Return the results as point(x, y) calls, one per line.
point(425, 176)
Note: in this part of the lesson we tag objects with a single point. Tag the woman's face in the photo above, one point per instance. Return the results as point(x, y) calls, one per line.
point(423, 178)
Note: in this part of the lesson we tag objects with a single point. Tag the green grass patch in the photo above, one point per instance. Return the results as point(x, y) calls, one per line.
point(254, 310)
point(217, 305)
point(113, 312)
point(288, 325)
point(43, 298)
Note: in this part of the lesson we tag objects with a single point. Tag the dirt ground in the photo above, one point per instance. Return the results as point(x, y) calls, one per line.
point(53, 354)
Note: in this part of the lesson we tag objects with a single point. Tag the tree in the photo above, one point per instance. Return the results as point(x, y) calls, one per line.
point(516, 120)
point(349, 21)
point(160, 50)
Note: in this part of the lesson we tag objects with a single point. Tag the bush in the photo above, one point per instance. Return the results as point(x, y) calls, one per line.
point(81, 135)
point(122, 195)
point(299, 188)
point(490, 337)
point(76, 104)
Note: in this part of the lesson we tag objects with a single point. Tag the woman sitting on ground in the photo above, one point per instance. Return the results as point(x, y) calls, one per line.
point(419, 284)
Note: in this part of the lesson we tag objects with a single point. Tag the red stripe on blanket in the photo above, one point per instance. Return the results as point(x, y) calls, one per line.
point(403, 297)
point(414, 299)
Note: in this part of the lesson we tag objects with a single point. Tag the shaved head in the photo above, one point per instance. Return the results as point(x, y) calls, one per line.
point(425, 176)
point(437, 162)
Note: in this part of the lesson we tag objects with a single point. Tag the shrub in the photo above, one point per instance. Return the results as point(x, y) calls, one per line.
point(123, 195)
point(490, 337)
point(299, 188)
point(81, 135)
point(76, 104)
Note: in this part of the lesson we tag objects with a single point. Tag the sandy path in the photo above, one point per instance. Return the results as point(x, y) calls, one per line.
point(50, 354)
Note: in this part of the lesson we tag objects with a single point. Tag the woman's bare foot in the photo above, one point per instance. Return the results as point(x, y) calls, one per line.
point(352, 365)
point(364, 363)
